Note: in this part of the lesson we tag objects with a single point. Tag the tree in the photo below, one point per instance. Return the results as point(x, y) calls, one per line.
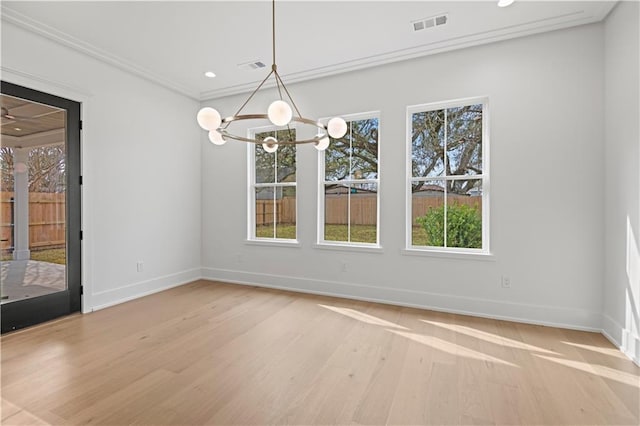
point(266, 167)
point(47, 169)
point(455, 133)
point(355, 155)
point(6, 169)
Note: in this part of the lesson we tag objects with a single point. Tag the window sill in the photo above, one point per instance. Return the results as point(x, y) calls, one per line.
point(453, 254)
point(273, 243)
point(374, 248)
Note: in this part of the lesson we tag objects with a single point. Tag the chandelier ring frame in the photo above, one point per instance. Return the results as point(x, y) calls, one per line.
point(228, 135)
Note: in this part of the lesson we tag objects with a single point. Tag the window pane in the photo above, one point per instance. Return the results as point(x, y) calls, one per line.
point(265, 212)
point(464, 140)
point(286, 156)
point(364, 213)
point(265, 162)
point(427, 144)
point(464, 213)
point(427, 212)
point(364, 149)
point(336, 212)
point(336, 157)
point(286, 212)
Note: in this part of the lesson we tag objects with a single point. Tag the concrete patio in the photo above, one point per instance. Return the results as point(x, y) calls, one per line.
point(23, 279)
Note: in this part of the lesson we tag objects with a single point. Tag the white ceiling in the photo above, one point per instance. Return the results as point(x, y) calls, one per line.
point(174, 43)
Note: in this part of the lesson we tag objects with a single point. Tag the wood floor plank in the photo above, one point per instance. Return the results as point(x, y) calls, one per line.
point(214, 353)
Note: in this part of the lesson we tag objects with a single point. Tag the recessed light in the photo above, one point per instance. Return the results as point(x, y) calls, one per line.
point(17, 128)
point(210, 74)
point(505, 3)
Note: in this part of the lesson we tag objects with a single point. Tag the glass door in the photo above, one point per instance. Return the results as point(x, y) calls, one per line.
point(39, 207)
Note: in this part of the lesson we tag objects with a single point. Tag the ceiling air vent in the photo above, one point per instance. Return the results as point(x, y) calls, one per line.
point(253, 65)
point(426, 23)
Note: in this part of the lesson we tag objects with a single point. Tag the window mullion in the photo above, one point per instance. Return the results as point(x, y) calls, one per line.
point(446, 182)
point(350, 177)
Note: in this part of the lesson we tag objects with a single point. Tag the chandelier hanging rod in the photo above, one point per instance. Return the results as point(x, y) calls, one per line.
point(279, 114)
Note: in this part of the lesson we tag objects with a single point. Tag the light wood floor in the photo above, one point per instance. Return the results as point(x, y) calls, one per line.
point(211, 353)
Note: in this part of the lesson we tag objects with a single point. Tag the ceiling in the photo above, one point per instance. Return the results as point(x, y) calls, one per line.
point(174, 43)
point(28, 124)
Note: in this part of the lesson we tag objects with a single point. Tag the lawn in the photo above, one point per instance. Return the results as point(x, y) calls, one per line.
point(51, 255)
point(359, 233)
point(282, 231)
point(418, 236)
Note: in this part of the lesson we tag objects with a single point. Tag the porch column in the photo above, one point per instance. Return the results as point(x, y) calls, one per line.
point(21, 205)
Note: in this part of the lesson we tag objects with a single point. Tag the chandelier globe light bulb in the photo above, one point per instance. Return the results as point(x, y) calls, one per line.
point(209, 119)
point(280, 113)
point(216, 138)
point(270, 144)
point(337, 127)
point(322, 144)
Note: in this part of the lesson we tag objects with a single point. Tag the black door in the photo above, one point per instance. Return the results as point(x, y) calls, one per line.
point(40, 207)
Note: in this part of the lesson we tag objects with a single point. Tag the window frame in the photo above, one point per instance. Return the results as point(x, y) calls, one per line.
point(251, 191)
point(348, 245)
point(455, 252)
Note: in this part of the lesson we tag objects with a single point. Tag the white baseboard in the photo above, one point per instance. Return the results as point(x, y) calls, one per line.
point(132, 291)
point(623, 339)
point(532, 314)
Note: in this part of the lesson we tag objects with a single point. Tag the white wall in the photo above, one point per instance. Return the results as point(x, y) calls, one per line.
point(546, 97)
point(622, 178)
point(141, 198)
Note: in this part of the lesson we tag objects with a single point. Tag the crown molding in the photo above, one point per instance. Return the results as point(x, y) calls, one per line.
point(22, 21)
point(505, 33)
point(19, 77)
point(476, 39)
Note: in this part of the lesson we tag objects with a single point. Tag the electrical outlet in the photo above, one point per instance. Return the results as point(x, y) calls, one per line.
point(343, 266)
point(506, 282)
point(140, 266)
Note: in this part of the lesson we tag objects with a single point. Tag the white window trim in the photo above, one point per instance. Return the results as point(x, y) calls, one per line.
point(251, 194)
point(456, 252)
point(346, 245)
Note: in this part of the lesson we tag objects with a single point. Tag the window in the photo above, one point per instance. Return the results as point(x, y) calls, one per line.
point(349, 177)
point(272, 202)
point(448, 179)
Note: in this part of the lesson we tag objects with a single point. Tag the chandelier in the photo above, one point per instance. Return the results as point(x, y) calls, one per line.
point(279, 114)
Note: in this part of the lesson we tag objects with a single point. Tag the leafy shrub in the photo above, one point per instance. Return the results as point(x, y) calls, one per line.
point(464, 226)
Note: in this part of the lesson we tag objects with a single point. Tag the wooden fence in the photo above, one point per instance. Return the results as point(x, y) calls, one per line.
point(421, 205)
point(363, 208)
point(46, 220)
point(285, 211)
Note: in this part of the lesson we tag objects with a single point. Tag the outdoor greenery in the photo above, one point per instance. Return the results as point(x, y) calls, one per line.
point(282, 231)
point(454, 134)
point(359, 233)
point(355, 155)
point(464, 226)
point(52, 256)
point(47, 169)
point(279, 166)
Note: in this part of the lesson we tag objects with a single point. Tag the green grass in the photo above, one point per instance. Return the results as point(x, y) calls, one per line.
point(282, 231)
point(418, 236)
point(52, 256)
point(359, 233)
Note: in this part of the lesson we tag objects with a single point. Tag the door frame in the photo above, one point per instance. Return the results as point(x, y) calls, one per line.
point(23, 313)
